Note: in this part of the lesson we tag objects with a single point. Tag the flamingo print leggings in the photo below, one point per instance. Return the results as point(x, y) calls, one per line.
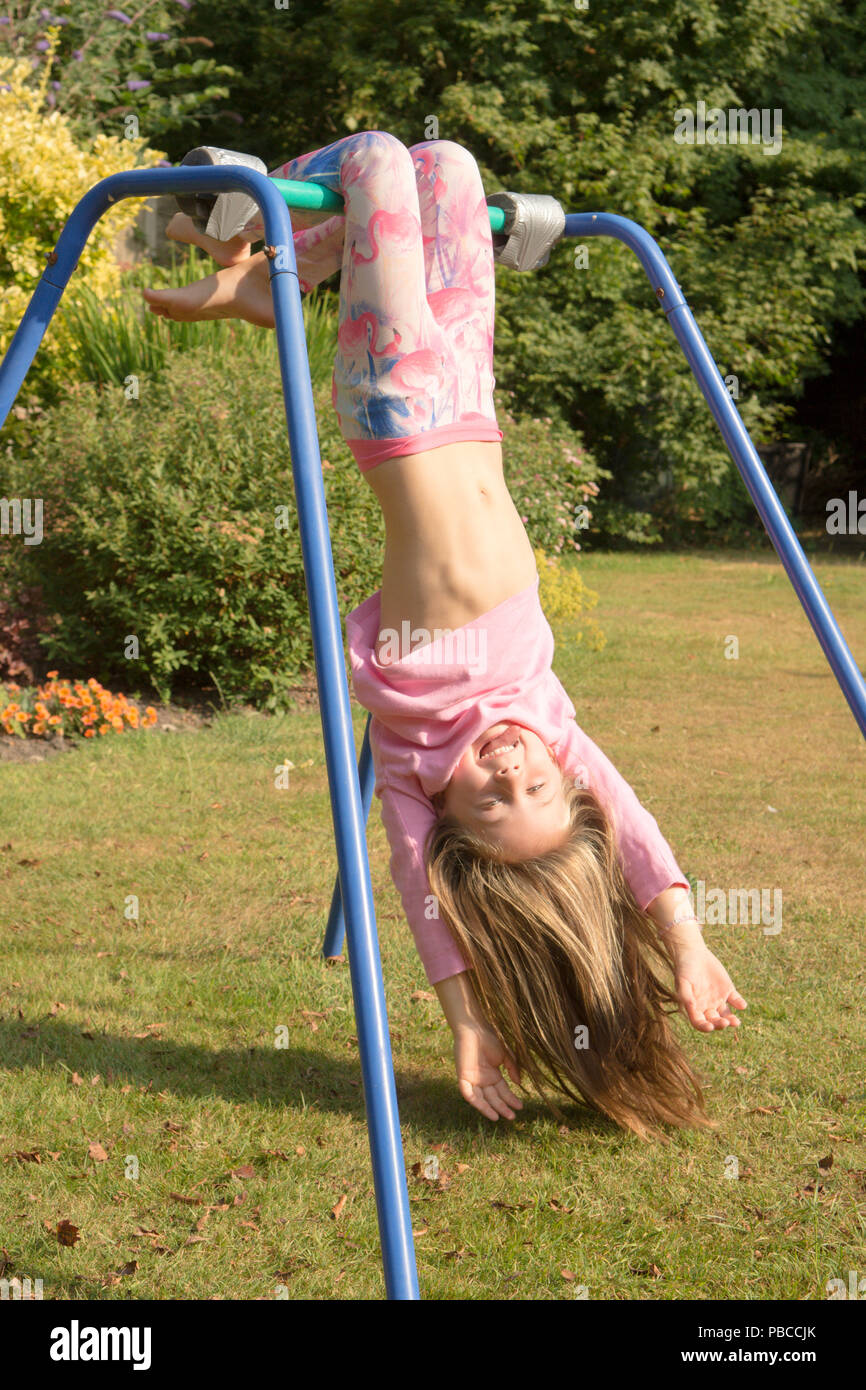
point(414, 363)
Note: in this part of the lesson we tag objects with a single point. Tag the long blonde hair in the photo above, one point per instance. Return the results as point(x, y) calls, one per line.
point(565, 968)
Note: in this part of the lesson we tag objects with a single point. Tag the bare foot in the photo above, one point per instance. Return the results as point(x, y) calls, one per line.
point(225, 253)
point(238, 292)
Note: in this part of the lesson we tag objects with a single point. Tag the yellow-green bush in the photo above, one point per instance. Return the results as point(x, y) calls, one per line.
point(43, 174)
point(565, 598)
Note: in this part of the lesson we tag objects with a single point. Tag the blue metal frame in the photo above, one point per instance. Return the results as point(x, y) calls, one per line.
point(351, 787)
point(389, 1173)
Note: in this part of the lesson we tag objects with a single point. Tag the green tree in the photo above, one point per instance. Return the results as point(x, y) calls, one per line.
point(769, 248)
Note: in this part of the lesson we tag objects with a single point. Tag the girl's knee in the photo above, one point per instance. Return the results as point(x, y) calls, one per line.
point(448, 152)
point(382, 145)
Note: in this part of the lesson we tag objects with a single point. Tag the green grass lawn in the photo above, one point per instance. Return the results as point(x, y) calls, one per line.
point(147, 1046)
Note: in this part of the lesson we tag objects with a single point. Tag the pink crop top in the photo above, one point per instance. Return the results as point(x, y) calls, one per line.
point(428, 707)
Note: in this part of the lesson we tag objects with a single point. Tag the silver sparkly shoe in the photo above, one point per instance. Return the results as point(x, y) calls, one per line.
point(221, 215)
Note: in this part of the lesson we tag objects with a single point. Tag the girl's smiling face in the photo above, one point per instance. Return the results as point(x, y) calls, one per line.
point(509, 789)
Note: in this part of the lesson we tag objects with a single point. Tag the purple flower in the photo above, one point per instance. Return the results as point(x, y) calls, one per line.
point(4, 87)
point(156, 38)
point(4, 19)
point(187, 5)
point(56, 86)
point(51, 99)
point(42, 45)
point(77, 54)
point(118, 14)
point(44, 14)
point(137, 86)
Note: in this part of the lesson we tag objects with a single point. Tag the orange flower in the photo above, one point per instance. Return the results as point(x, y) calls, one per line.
point(105, 728)
point(90, 733)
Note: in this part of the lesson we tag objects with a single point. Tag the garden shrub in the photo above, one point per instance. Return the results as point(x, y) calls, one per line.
point(160, 526)
point(44, 172)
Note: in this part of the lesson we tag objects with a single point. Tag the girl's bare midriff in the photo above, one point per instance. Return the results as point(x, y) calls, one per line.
point(455, 546)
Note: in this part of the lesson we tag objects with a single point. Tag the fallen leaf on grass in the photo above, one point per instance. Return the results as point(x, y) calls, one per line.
point(75, 1079)
point(765, 1110)
point(187, 1201)
point(67, 1233)
point(555, 1206)
point(337, 1210)
point(652, 1271)
point(422, 994)
point(117, 1274)
point(34, 1156)
point(825, 1164)
point(568, 1274)
point(247, 1171)
point(97, 1153)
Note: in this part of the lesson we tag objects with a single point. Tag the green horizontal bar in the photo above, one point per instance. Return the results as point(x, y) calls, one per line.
point(300, 193)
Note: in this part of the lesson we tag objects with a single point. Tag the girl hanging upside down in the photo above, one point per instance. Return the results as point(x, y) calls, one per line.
point(544, 902)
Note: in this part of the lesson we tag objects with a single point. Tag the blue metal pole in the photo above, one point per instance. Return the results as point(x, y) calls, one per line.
point(389, 1174)
point(736, 436)
point(367, 777)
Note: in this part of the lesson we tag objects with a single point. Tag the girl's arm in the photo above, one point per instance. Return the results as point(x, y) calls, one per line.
point(408, 816)
point(648, 862)
point(704, 987)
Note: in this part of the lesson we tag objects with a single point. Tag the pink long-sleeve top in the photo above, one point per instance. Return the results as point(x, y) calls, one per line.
point(433, 702)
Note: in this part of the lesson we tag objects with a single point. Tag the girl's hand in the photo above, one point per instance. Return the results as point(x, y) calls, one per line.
point(705, 990)
point(478, 1055)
